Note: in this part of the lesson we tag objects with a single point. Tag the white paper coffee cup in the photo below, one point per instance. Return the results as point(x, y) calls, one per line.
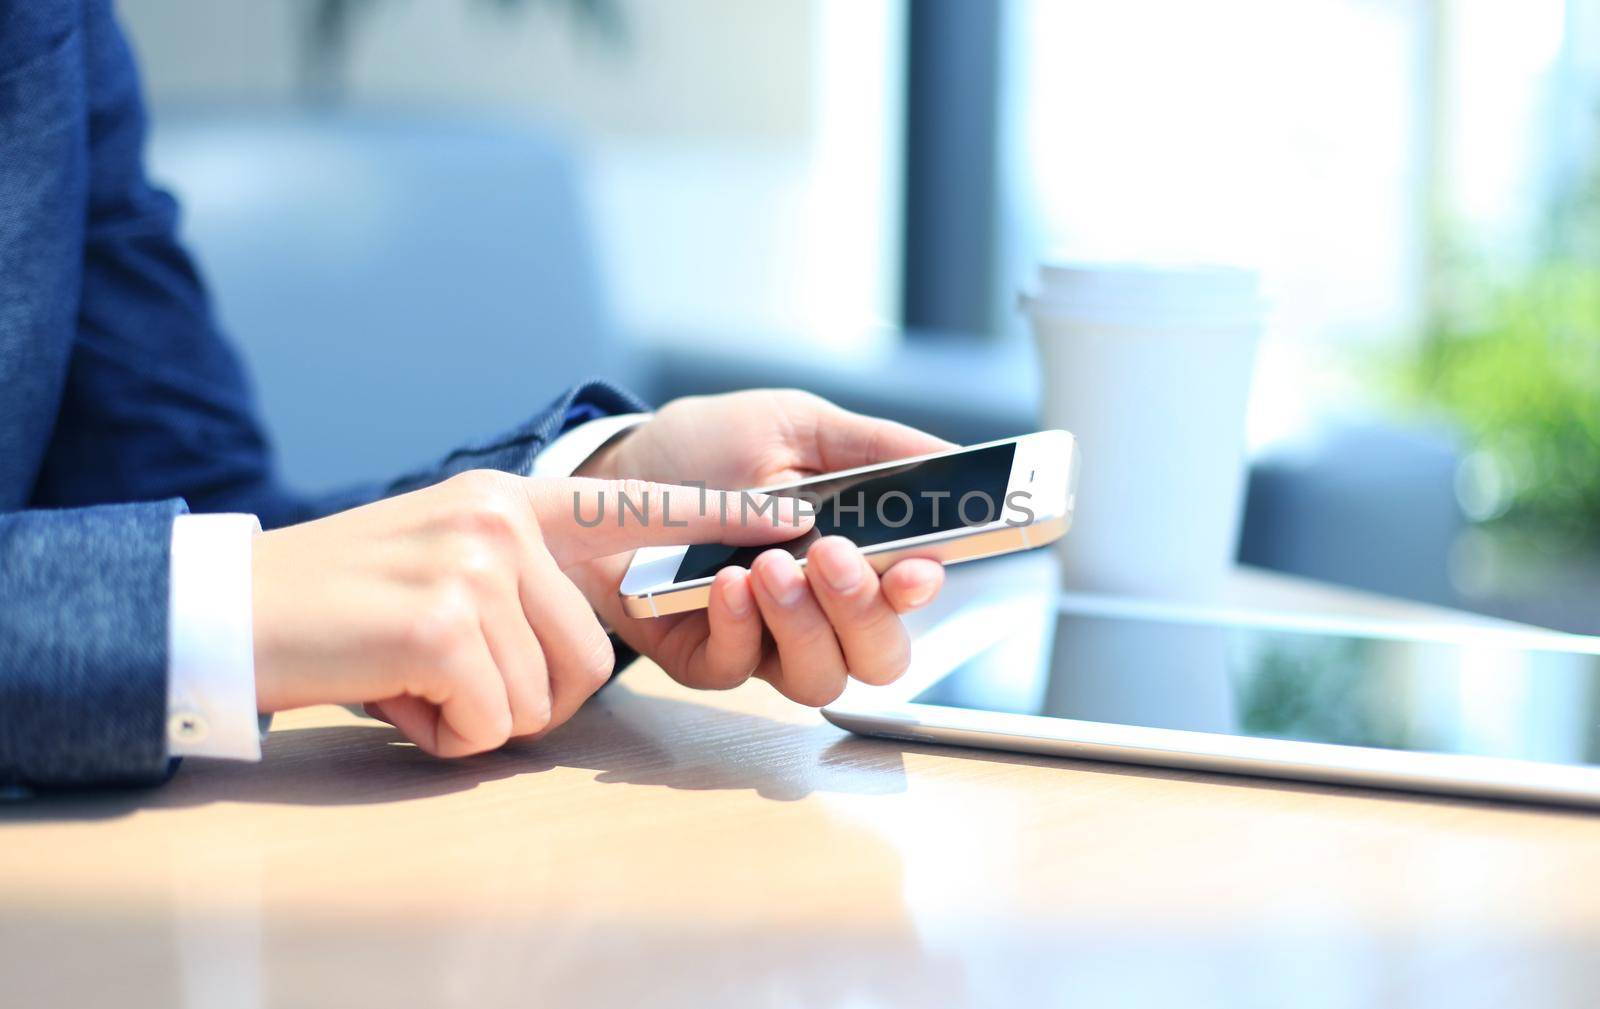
point(1150, 368)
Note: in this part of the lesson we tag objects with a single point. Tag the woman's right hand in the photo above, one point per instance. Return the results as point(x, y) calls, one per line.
point(447, 611)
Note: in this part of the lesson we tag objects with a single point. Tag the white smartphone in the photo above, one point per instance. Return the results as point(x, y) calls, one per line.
point(953, 506)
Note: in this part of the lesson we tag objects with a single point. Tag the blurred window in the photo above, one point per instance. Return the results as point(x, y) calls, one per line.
point(1333, 144)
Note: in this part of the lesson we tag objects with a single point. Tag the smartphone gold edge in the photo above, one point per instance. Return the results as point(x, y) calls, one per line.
point(958, 550)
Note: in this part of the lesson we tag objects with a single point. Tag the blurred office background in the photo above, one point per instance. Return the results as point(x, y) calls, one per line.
point(420, 217)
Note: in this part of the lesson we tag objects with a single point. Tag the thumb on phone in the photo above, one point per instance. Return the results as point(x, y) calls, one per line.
point(583, 518)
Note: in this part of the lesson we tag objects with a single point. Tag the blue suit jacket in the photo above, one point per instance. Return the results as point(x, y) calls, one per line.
point(121, 407)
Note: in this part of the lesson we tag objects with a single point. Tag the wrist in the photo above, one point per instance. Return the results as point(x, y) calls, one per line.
point(266, 622)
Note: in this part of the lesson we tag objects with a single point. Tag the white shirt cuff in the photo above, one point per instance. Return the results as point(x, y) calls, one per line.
point(211, 668)
point(562, 457)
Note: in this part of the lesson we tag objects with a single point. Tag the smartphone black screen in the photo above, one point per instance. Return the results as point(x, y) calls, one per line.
point(895, 503)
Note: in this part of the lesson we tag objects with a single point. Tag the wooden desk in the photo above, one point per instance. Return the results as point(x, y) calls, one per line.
point(680, 848)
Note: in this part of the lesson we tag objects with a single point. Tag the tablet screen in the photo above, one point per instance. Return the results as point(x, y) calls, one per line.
point(1499, 701)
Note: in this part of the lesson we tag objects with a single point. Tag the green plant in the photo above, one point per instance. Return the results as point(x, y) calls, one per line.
point(1516, 361)
point(1512, 353)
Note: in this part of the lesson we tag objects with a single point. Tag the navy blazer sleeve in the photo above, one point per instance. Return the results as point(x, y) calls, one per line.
point(121, 406)
point(83, 684)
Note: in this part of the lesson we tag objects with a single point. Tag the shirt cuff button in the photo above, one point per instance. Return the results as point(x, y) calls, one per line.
point(187, 727)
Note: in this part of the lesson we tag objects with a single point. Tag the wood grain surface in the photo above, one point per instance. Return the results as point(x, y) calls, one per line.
point(670, 847)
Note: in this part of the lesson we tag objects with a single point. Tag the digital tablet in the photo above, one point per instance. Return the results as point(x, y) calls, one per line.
point(1493, 713)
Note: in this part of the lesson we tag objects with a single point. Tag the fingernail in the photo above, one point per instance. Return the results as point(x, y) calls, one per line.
point(781, 575)
point(795, 510)
point(919, 595)
point(840, 566)
point(736, 593)
point(775, 509)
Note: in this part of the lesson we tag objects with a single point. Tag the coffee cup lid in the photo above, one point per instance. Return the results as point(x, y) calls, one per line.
point(1128, 292)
